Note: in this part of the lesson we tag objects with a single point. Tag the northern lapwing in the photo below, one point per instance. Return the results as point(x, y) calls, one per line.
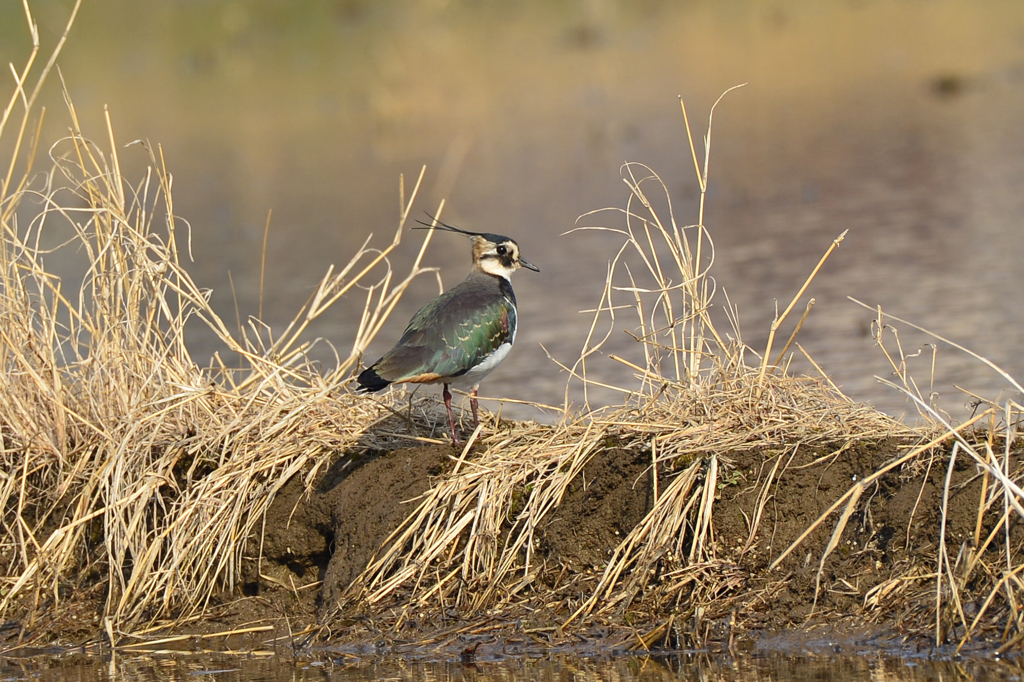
point(459, 337)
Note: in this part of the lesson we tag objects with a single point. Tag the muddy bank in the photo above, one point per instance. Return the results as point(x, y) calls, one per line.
point(879, 575)
point(300, 583)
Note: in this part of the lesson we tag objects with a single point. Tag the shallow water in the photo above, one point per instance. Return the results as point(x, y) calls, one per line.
point(899, 121)
point(778, 668)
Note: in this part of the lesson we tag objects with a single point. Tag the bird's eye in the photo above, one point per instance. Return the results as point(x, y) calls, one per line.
point(502, 250)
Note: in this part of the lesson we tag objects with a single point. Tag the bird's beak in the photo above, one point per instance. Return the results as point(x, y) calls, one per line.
point(528, 265)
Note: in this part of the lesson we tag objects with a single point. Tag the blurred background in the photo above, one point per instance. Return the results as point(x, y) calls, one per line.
point(899, 120)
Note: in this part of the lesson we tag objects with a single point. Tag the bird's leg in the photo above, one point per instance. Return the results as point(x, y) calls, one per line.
point(472, 403)
point(411, 394)
point(451, 418)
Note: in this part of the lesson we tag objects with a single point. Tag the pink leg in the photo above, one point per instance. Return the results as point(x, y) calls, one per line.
point(451, 418)
point(472, 403)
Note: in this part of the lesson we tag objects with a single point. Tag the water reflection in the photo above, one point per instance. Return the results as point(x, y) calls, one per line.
point(778, 668)
point(898, 121)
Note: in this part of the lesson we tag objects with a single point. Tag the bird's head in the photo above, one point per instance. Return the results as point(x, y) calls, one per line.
point(492, 253)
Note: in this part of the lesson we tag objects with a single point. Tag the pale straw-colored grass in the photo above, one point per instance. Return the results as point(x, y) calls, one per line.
point(125, 464)
point(470, 542)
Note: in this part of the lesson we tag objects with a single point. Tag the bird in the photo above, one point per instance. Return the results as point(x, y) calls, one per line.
point(459, 337)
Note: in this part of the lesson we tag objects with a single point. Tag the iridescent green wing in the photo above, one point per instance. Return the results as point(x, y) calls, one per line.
point(471, 337)
point(464, 328)
point(451, 334)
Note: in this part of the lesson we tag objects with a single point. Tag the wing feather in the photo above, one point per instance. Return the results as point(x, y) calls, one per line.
point(451, 334)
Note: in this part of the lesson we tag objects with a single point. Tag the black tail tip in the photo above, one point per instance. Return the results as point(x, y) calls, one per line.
point(370, 381)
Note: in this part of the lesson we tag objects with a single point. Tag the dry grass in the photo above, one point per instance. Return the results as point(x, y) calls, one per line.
point(123, 463)
point(126, 465)
point(470, 543)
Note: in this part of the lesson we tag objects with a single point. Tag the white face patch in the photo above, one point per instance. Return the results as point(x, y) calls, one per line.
point(500, 259)
point(494, 266)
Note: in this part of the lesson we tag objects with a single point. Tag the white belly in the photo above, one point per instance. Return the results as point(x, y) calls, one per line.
point(474, 376)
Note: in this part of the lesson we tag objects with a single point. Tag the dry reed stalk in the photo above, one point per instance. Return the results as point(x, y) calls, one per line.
point(478, 497)
point(120, 457)
point(469, 544)
point(970, 577)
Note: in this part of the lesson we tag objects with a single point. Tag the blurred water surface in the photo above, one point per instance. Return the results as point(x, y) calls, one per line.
point(899, 120)
point(709, 668)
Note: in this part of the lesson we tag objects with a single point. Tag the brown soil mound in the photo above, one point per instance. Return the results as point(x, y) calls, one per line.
point(881, 572)
point(325, 537)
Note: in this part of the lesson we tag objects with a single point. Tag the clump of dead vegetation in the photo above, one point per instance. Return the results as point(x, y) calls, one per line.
point(124, 464)
point(129, 467)
point(699, 411)
point(471, 542)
